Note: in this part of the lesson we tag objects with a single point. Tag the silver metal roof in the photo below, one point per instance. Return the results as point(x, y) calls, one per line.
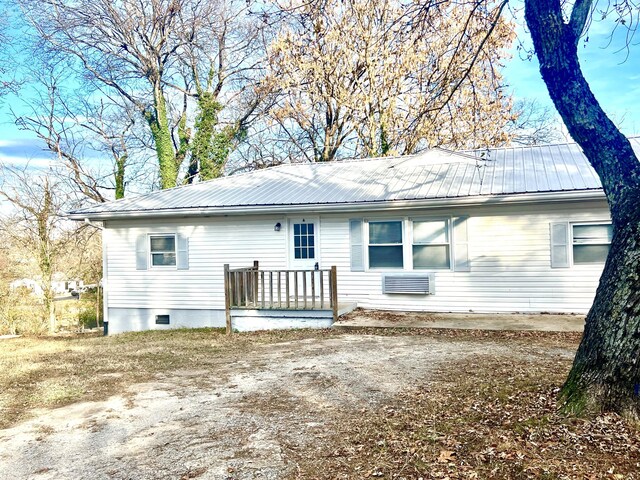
point(434, 175)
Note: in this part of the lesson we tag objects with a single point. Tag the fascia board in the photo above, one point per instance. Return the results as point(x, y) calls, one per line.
point(386, 205)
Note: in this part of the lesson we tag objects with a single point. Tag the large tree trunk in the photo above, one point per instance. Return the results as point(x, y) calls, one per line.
point(606, 370)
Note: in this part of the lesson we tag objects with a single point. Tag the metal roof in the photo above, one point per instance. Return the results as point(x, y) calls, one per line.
point(433, 175)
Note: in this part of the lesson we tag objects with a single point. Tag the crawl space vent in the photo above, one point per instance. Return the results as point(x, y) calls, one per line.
point(162, 319)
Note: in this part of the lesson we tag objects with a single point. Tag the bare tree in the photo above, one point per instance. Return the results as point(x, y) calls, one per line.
point(9, 82)
point(36, 225)
point(222, 67)
point(93, 139)
point(373, 77)
point(532, 124)
point(157, 56)
point(606, 370)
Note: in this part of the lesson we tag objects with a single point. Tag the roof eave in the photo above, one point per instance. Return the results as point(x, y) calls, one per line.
point(432, 203)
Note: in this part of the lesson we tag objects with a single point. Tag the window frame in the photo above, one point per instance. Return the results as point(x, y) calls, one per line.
point(368, 245)
point(306, 235)
point(174, 266)
point(572, 243)
point(448, 244)
point(407, 243)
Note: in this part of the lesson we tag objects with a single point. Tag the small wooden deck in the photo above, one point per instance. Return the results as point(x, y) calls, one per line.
point(288, 292)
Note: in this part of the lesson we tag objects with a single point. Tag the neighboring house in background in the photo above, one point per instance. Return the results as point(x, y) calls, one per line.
point(523, 229)
point(27, 284)
point(58, 285)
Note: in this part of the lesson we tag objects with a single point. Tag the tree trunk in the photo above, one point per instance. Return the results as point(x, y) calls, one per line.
point(159, 123)
point(605, 375)
point(49, 307)
point(121, 162)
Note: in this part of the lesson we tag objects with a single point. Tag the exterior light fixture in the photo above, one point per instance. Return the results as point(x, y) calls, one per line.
point(277, 227)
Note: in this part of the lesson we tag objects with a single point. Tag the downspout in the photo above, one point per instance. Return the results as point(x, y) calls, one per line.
point(105, 276)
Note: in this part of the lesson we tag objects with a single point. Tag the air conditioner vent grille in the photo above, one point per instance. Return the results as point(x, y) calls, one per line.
point(416, 284)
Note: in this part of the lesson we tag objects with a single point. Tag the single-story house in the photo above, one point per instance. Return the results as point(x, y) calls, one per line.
point(518, 229)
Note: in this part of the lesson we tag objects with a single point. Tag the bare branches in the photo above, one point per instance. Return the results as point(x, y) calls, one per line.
point(532, 124)
point(375, 77)
point(37, 204)
point(157, 54)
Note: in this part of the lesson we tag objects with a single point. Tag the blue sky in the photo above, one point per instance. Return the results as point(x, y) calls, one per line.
point(612, 72)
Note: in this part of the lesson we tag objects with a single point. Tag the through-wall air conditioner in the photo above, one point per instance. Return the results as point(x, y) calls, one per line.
point(411, 283)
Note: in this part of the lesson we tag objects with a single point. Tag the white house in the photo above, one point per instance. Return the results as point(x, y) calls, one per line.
point(523, 229)
point(59, 285)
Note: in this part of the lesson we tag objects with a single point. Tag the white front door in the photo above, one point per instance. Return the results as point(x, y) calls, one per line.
point(303, 243)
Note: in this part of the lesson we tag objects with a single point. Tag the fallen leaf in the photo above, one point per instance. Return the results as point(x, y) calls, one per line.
point(446, 456)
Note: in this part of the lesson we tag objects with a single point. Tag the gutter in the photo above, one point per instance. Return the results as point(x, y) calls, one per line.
point(387, 205)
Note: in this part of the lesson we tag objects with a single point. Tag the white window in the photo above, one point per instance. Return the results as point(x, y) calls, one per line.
point(162, 249)
point(385, 244)
point(428, 247)
point(591, 242)
point(431, 244)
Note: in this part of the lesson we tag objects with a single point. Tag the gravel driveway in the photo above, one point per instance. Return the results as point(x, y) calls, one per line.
point(236, 423)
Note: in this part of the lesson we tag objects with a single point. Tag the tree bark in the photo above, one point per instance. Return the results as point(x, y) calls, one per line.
point(605, 375)
point(161, 132)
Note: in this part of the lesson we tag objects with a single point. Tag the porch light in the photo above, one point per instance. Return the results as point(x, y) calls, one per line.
point(277, 227)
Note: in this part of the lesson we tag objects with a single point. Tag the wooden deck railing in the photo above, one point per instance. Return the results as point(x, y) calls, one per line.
point(252, 288)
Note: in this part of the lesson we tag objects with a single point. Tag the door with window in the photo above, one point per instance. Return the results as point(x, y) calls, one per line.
point(303, 243)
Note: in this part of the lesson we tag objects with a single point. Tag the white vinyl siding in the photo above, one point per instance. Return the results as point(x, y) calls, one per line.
point(507, 253)
point(507, 264)
point(212, 243)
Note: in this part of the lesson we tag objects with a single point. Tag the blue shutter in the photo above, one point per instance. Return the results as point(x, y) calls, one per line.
point(356, 245)
point(560, 244)
point(461, 262)
point(142, 252)
point(182, 256)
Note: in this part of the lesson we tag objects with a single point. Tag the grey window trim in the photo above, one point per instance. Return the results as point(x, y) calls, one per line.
point(182, 252)
point(460, 254)
point(142, 252)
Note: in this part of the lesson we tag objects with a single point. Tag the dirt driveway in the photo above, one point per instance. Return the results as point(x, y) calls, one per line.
point(241, 421)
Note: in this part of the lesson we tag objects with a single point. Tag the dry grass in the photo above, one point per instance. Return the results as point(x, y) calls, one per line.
point(48, 372)
point(485, 417)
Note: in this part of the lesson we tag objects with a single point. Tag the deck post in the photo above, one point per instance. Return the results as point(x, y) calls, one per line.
point(333, 284)
point(254, 285)
point(227, 299)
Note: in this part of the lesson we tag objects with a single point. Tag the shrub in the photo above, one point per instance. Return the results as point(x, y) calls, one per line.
point(20, 313)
